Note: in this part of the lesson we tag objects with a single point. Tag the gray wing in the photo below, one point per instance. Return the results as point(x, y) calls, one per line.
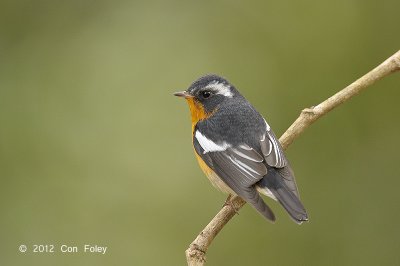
point(275, 157)
point(272, 149)
point(240, 168)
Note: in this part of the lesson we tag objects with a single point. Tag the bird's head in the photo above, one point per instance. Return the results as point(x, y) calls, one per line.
point(206, 94)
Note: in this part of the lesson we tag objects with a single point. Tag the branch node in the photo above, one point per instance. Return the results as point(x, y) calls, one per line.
point(230, 203)
point(309, 113)
point(195, 256)
point(196, 253)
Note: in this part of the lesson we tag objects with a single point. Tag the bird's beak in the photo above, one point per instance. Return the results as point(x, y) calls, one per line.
point(183, 94)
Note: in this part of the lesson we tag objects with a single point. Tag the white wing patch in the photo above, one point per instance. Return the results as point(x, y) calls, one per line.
point(266, 124)
point(220, 88)
point(278, 155)
point(241, 154)
point(243, 167)
point(267, 152)
point(271, 150)
point(209, 145)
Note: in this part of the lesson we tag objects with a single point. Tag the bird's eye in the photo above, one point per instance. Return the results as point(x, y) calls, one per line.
point(205, 94)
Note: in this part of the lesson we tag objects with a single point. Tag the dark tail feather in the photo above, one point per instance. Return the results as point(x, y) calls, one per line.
point(277, 186)
point(252, 197)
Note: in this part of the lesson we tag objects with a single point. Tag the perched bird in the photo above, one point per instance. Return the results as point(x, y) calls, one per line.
point(237, 150)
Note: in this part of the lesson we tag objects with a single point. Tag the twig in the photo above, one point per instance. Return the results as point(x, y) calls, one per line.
point(196, 252)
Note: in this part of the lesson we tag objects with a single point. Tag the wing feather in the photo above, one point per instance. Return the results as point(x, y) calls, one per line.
point(272, 149)
point(274, 157)
point(238, 167)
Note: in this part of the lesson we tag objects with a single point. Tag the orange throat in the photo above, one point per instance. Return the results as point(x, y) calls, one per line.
point(197, 112)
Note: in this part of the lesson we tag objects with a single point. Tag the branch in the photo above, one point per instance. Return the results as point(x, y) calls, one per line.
point(310, 115)
point(196, 252)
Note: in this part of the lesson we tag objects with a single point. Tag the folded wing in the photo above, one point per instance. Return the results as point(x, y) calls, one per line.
point(239, 167)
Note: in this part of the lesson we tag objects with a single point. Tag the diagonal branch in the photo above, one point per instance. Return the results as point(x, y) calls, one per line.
point(196, 252)
point(310, 115)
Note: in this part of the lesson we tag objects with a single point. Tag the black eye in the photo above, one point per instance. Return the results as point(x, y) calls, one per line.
point(205, 94)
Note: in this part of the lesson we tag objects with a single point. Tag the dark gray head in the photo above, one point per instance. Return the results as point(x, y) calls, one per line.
point(210, 91)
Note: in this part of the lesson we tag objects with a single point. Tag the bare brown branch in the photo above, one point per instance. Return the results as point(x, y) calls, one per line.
point(196, 253)
point(310, 115)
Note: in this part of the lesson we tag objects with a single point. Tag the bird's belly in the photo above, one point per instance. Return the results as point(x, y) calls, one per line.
point(213, 177)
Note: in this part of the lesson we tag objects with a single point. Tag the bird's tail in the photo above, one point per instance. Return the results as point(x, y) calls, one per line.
point(273, 183)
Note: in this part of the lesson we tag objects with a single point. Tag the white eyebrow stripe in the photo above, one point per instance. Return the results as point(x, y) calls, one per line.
point(209, 145)
point(220, 88)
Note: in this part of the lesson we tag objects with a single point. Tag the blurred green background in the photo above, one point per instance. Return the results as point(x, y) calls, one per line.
point(94, 149)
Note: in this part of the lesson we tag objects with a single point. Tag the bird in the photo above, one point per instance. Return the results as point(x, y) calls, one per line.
point(237, 149)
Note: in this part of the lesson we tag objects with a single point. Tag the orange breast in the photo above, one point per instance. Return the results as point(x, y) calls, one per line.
point(198, 113)
point(213, 177)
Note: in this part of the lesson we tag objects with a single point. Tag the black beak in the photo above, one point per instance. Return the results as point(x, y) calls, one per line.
point(183, 94)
